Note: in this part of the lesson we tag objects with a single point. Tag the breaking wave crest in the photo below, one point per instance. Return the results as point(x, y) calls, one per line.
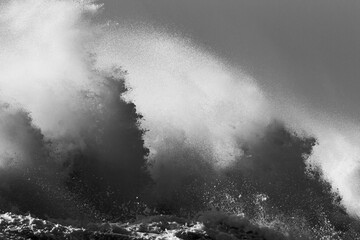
point(180, 133)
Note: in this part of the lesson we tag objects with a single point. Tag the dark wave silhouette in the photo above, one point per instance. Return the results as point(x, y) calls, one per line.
point(82, 141)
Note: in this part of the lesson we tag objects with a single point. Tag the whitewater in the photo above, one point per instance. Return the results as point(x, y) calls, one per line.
point(118, 121)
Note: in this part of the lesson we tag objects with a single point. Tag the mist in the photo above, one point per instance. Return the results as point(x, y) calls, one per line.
point(206, 87)
point(110, 113)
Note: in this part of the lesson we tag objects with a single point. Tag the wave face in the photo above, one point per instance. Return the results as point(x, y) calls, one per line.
point(180, 131)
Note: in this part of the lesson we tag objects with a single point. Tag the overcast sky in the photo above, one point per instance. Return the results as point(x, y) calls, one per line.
point(303, 48)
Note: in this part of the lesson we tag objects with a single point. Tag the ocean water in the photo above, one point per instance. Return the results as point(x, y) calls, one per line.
point(104, 121)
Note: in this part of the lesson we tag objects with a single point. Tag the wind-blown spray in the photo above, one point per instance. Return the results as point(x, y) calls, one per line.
point(175, 131)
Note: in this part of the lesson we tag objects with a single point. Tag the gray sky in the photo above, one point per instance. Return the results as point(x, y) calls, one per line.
point(304, 48)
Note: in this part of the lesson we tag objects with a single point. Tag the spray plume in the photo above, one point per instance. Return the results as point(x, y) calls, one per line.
point(73, 120)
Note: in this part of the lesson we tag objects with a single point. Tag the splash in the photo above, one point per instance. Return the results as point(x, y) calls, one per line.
point(182, 131)
point(65, 126)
